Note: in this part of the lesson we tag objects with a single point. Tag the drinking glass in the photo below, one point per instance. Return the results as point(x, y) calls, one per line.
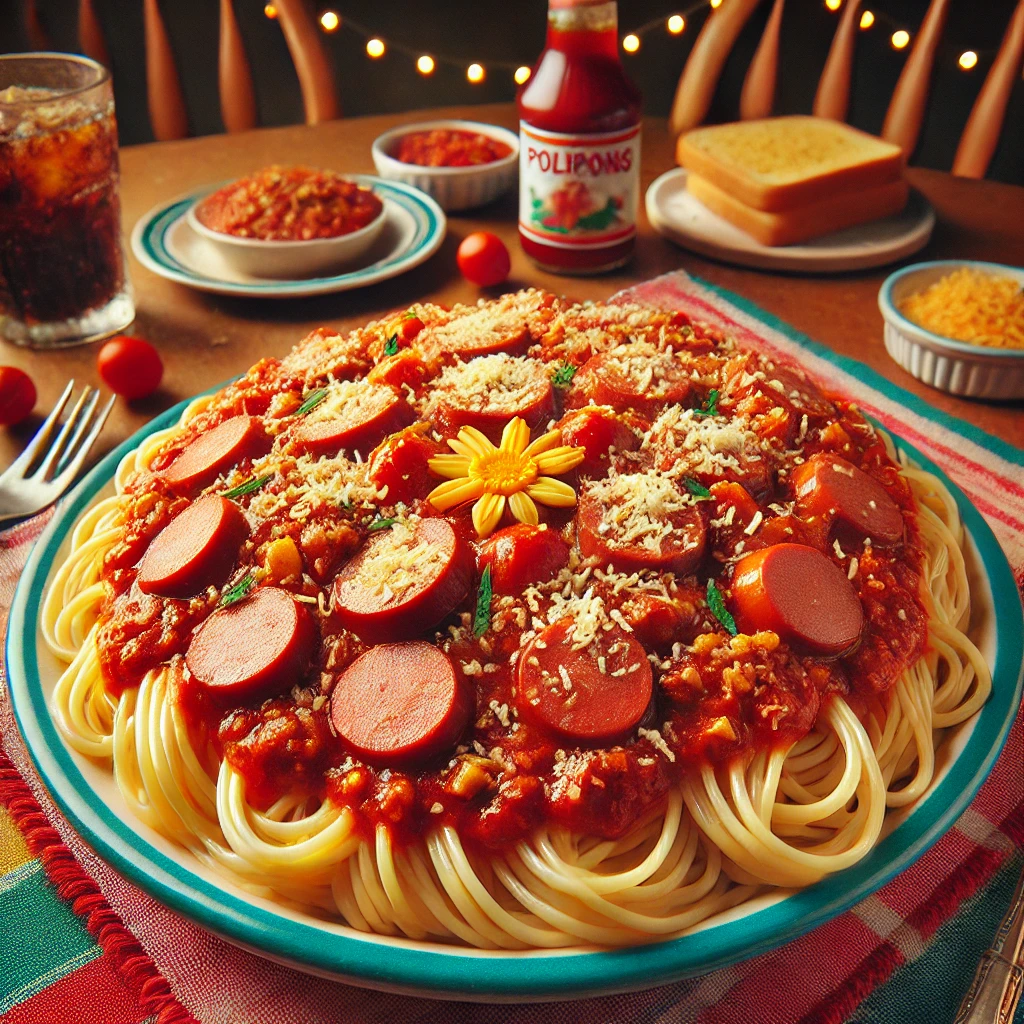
point(63, 278)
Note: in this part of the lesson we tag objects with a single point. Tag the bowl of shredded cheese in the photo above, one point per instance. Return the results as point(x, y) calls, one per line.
point(958, 325)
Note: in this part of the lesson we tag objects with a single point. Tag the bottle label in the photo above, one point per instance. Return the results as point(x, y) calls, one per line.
point(578, 191)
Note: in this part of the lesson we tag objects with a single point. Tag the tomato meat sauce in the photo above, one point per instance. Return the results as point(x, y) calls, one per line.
point(449, 147)
point(290, 204)
point(325, 626)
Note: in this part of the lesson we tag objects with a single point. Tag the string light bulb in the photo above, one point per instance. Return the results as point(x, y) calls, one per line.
point(270, 11)
point(522, 75)
point(631, 43)
point(716, 3)
point(900, 38)
point(833, 5)
point(475, 73)
point(375, 48)
point(329, 21)
point(676, 24)
point(425, 65)
point(968, 59)
point(867, 19)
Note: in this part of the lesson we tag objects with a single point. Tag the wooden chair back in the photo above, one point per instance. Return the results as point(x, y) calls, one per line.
point(905, 114)
point(168, 113)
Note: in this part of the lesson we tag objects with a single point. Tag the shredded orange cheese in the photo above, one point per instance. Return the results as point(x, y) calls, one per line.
point(972, 306)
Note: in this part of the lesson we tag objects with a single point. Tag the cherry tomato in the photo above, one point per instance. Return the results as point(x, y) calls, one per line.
point(483, 259)
point(130, 367)
point(17, 395)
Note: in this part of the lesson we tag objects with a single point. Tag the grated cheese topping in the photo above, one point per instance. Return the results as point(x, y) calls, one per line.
point(396, 561)
point(651, 370)
point(498, 383)
point(354, 401)
point(707, 445)
point(311, 483)
point(637, 508)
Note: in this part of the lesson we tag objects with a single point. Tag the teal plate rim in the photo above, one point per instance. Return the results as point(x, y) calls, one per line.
point(457, 972)
point(148, 242)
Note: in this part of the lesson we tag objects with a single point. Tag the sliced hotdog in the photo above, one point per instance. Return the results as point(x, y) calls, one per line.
point(637, 376)
point(829, 486)
point(799, 593)
point(195, 550)
point(711, 449)
point(486, 393)
point(497, 327)
point(253, 649)
point(600, 432)
point(638, 521)
point(401, 704)
point(521, 556)
point(404, 581)
point(214, 451)
point(591, 696)
point(355, 417)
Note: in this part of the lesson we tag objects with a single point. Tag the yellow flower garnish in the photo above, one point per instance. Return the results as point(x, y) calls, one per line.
point(516, 472)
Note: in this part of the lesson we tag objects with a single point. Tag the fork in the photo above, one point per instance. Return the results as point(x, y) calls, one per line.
point(60, 457)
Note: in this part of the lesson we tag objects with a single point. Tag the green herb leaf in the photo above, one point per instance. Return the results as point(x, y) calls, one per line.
point(382, 524)
point(248, 487)
point(391, 346)
point(717, 605)
point(409, 314)
point(238, 591)
point(562, 377)
point(710, 407)
point(482, 617)
point(313, 399)
point(697, 489)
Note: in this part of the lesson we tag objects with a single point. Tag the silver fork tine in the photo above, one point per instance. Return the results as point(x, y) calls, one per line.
point(39, 443)
point(69, 472)
point(83, 426)
point(60, 445)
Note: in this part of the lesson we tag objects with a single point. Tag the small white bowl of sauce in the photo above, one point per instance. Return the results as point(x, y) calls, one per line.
point(289, 222)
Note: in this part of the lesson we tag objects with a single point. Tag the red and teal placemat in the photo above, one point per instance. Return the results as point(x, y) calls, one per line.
point(79, 945)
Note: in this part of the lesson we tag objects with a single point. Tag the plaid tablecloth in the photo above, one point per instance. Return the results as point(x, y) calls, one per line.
point(79, 945)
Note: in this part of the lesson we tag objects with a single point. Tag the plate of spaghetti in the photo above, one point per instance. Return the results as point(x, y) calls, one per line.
point(522, 650)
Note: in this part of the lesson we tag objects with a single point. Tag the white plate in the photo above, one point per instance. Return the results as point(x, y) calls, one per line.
point(677, 215)
point(164, 242)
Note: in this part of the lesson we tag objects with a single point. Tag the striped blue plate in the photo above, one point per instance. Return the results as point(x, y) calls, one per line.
point(164, 243)
point(86, 793)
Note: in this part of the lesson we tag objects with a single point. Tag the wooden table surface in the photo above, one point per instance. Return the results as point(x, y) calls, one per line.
point(205, 339)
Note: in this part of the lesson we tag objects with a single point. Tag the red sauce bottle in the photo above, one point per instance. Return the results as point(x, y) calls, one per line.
point(579, 135)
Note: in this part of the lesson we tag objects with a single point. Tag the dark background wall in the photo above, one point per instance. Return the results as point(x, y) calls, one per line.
point(513, 31)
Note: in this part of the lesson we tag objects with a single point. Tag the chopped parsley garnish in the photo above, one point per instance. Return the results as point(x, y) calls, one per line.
point(313, 399)
point(710, 407)
point(391, 345)
point(248, 486)
point(697, 489)
point(717, 605)
point(482, 616)
point(382, 524)
point(238, 591)
point(562, 377)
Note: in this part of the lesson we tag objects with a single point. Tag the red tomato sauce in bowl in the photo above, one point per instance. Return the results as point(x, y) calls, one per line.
point(449, 147)
point(289, 204)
